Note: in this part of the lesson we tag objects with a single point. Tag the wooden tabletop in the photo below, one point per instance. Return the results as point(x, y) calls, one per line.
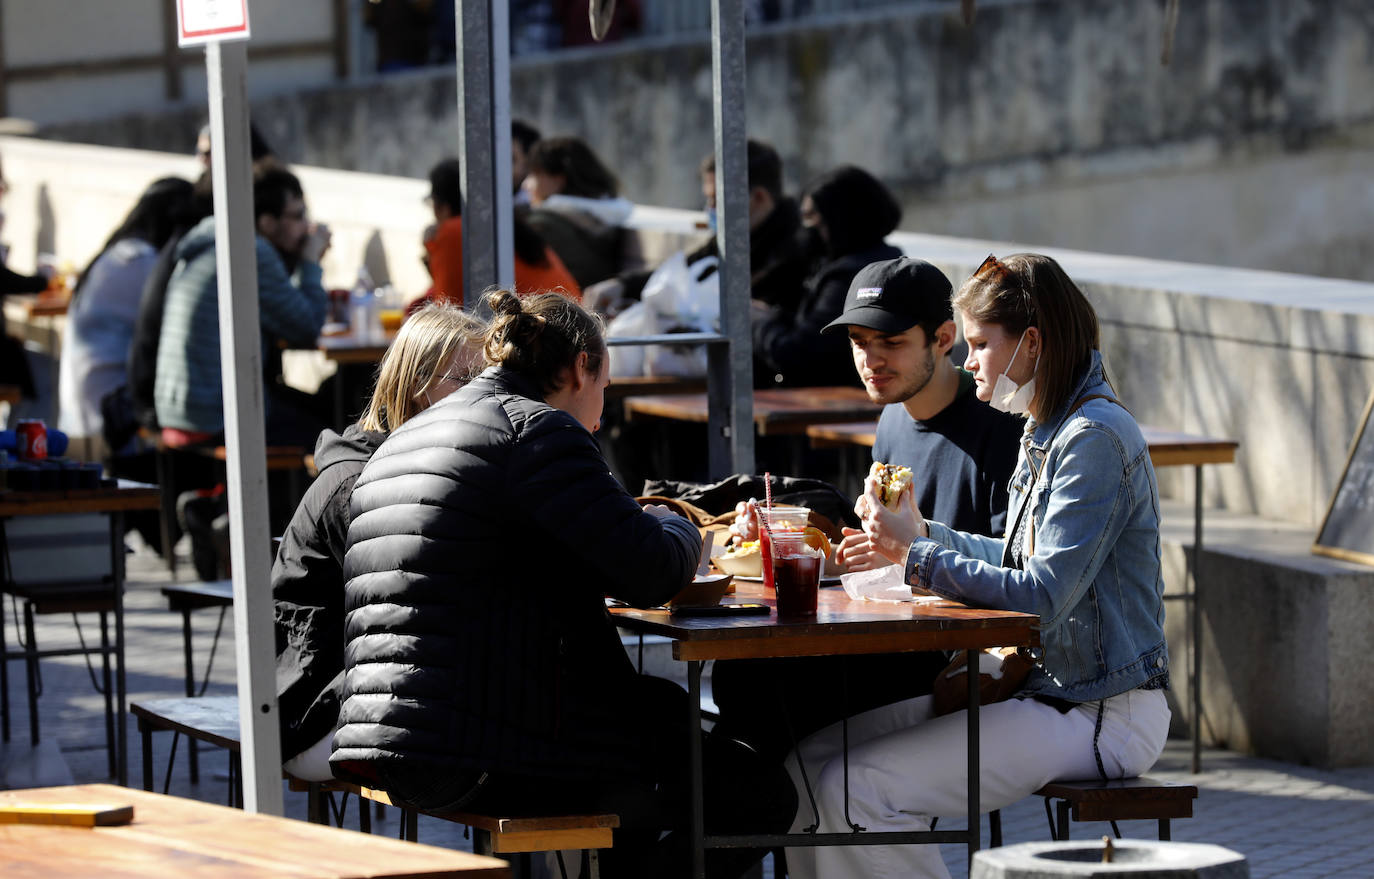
point(1168, 448)
point(841, 626)
point(110, 499)
point(636, 385)
point(348, 348)
point(44, 305)
point(170, 836)
point(776, 410)
point(10, 394)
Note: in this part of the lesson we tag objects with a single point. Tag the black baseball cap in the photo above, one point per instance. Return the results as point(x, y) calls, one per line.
point(894, 295)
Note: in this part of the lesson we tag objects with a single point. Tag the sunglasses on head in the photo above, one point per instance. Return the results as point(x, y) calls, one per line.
point(996, 271)
point(992, 269)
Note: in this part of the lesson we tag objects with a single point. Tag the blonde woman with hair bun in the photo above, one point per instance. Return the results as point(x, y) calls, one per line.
point(433, 355)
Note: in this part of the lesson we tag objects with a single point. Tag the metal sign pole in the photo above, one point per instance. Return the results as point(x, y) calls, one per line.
point(484, 146)
point(730, 369)
point(241, 366)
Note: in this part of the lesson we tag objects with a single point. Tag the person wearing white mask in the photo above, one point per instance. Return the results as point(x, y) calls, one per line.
point(1081, 550)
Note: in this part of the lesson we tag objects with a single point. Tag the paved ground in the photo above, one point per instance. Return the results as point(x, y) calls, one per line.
point(1290, 821)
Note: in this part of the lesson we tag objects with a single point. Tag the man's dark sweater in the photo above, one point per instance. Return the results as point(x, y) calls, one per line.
point(961, 459)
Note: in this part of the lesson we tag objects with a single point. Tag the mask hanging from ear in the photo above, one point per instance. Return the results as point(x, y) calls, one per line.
point(1006, 396)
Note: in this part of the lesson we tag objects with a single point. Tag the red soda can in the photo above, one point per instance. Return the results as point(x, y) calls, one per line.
point(32, 435)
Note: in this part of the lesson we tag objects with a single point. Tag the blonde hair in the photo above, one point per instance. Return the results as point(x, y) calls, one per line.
point(426, 343)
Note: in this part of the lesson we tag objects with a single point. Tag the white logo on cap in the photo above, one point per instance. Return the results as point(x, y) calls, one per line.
point(865, 293)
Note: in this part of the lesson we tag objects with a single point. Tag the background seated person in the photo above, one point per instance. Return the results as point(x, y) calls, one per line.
point(845, 215)
point(1081, 551)
point(776, 268)
point(483, 671)
point(291, 307)
point(14, 363)
point(537, 267)
point(574, 207)
point(432, 356)
point(104, 307)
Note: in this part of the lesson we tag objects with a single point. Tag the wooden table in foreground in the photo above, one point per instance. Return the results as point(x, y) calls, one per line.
point(170, 836)
point(841, 627)
point(776, 410)
point(1168, 448)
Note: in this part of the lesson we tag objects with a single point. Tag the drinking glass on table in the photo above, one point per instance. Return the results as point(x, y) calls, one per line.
point(780, 519)
point(796, 570)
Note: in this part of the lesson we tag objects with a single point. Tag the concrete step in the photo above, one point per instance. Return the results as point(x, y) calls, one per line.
point(1286, 636)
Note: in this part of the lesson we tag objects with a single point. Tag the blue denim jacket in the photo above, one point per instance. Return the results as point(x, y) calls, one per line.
point(1093, 572)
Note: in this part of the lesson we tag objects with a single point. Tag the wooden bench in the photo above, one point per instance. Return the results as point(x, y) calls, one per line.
point(517, 836)
point(214, 720)
point(1127, 799)
point(184, 598)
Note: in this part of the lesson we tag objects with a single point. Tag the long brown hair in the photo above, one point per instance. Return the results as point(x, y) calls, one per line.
point(1031, 290)
point(412, 365)
point(541, 336)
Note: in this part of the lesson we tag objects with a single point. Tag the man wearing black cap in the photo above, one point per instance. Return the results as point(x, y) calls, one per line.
point(961, 451)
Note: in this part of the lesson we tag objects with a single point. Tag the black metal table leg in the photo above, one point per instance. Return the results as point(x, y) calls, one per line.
point(694, 765)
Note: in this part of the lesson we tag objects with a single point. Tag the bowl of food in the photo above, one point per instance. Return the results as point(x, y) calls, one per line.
point(741, 559)
point(705, 590)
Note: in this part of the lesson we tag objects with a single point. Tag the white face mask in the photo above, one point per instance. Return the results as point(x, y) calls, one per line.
point(1006, 396)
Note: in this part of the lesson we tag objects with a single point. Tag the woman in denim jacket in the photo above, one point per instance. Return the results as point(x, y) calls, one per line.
point(1081, 551)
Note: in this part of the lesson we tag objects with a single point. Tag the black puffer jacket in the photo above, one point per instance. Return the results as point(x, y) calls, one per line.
point(308, 593)
point(485, 533)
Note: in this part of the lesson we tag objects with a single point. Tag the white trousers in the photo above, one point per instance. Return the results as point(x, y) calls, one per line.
point(312, 764)
point(906, 767)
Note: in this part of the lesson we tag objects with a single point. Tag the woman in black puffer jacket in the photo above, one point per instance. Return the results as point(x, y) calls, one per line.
point(483, 670)
point(432, 356)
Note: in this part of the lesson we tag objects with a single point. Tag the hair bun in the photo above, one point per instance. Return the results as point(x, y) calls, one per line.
point(504, 302)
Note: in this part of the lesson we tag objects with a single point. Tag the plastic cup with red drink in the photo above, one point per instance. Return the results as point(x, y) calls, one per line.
point(775, 521)
point(796, 569)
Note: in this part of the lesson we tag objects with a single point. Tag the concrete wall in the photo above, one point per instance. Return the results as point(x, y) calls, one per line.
point(1282, 363)
point(88, 33)
point(1050, 122)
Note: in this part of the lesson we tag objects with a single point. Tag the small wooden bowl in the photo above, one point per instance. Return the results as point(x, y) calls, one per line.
point(703, 591)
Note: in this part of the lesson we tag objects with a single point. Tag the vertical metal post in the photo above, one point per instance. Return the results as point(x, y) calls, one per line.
point(117, 572)
point(695, 769)
point(1193, 604)
point(975, 778)
point(241, 366)
point(483, 34)
point(730, 369)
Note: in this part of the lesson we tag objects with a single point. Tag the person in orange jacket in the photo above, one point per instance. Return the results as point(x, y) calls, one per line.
point(537, 268)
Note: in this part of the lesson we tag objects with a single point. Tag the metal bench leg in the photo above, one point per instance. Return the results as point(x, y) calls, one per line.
point(481, 841)
point(995, 828)
point(520, 866)
point(4, 655)
point(145, 734)
point(167, 509)
point(31, 670)
point(1063, 820)
point(364, 815)
point(191, 754)
point(1164, 829)
point(594, 863)
point(410, 825)
point(106, 679)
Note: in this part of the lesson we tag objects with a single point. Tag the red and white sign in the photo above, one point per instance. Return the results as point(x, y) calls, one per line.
point(211, 21)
